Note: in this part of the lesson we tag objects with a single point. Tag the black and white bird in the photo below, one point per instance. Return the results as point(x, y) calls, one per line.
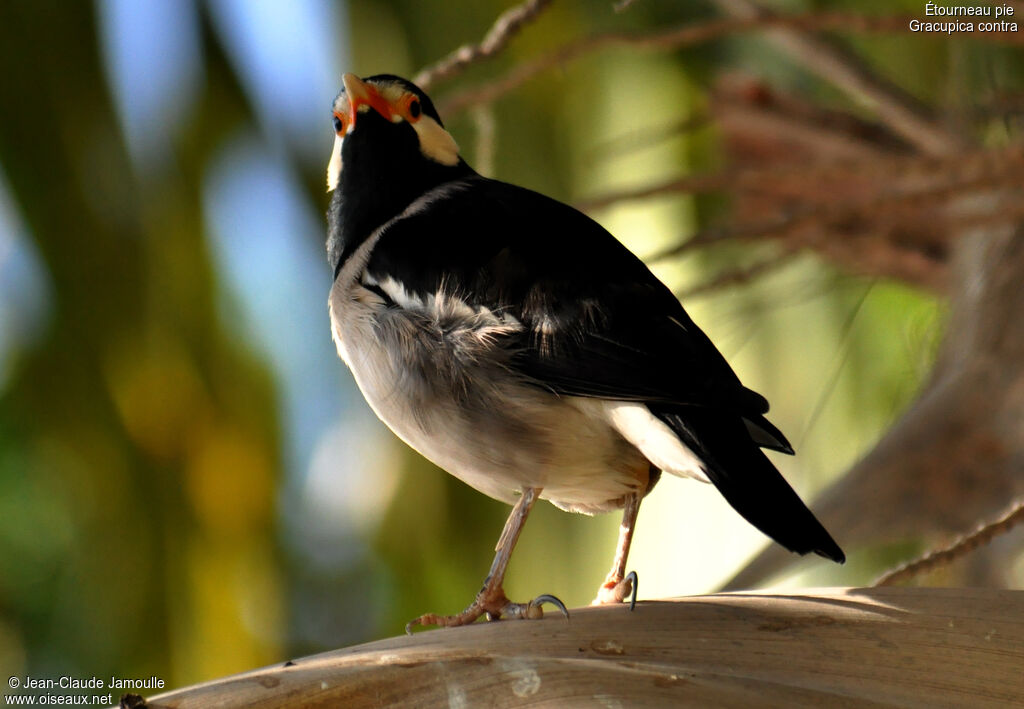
point(514, 342)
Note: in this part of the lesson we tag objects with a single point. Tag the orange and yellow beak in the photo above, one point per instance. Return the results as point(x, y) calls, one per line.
point(359, 93)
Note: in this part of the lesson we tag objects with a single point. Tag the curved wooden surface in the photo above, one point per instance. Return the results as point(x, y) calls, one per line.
point(875, 647)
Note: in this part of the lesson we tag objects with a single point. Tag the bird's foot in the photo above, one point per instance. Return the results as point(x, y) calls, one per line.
point(494, 604)
point(617, 590)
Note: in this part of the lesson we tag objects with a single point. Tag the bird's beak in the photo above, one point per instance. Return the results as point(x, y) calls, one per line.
point(360, 93)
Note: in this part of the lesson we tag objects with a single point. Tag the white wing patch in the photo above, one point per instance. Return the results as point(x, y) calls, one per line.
point(650, 435)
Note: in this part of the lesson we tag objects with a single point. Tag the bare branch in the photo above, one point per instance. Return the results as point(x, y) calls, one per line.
point(839, 647)
point(836, 64)
point(687, 35)
point(954, 172)
point(886, 231)
point(961, 547)
point(691, 184)
point(864, 253)
point(640, 139)
point(748, 110)
point(738, 276)
point(508, 24)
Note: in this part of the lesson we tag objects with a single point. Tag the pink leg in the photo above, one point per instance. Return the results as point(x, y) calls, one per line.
point(491, 599)
point(618, 585)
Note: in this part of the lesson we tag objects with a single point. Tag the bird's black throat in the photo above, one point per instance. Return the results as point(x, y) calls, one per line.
point(383, 172)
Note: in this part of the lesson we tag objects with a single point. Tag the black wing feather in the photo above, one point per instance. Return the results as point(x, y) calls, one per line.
point(597, 322)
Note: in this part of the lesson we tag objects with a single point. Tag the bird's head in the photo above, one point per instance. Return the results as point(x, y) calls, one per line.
point(385, 127)
point(390, 148)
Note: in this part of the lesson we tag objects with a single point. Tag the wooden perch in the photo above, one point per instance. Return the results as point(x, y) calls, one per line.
point(838, 647)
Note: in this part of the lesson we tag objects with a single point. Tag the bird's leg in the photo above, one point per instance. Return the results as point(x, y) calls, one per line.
point(619, 585)
point(491, 599)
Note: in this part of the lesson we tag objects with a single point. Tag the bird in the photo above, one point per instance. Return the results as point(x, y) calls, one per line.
point(515, 343)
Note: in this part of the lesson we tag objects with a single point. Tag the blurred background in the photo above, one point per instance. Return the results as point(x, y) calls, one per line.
point(190, 483)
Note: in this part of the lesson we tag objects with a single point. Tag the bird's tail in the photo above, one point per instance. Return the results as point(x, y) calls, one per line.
point(749, 481)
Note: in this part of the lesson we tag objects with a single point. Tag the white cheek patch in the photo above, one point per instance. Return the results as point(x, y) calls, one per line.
point(334, 166)
point(435, 142)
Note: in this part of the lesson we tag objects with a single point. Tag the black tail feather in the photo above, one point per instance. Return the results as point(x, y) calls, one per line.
point(749, 481)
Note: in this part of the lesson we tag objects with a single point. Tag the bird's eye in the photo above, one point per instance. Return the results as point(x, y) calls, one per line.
point(414, 109)
point(339, 125)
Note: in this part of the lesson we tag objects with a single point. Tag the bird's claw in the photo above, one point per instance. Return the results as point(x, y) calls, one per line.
point(556, 602)
point(616, 591)
point(635, 583)
point(495, 606)
point(530, 611)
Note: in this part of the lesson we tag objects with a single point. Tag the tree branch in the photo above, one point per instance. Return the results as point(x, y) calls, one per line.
point(961, 547)
point(892, 217)
point(907, 116)
point(692, 34)
point(839, 647)
point(738, 276)
point(892, 178)
point(508, 24)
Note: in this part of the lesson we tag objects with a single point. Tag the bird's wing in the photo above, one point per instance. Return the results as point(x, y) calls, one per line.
point(597, 322)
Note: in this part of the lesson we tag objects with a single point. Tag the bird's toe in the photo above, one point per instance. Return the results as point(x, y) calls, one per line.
point(495, 605)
